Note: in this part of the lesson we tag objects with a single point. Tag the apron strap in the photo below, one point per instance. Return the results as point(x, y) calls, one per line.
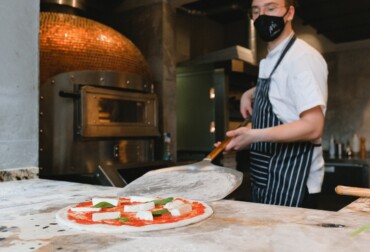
point(290, 43)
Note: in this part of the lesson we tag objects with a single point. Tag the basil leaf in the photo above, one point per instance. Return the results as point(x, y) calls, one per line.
point(163, 201)
point(160, 212)
point(124, 219)
point(103, 204)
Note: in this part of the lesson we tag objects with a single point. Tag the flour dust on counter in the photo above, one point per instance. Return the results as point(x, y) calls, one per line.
point(203, 185)
point(29, 215)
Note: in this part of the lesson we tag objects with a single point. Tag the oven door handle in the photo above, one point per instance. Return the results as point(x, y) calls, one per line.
point(69, 95)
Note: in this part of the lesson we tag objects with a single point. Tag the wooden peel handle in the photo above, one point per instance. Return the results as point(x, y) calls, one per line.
point(353, 191)
point(216, 151)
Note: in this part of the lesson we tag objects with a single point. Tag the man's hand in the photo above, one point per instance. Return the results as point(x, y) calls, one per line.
point(241, 139)
point(246, 102)
point(308, 128)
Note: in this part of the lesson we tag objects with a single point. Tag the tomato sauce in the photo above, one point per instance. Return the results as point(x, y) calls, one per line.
point(86, 217)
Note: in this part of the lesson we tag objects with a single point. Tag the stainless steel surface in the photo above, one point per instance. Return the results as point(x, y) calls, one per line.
point(79, 4)
point(193, 83)
point(66, 147)
point(112, 113)
point(110, 177)
point(124, 80)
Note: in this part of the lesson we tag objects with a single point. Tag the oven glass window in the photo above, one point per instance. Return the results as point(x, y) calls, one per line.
point(120, 111)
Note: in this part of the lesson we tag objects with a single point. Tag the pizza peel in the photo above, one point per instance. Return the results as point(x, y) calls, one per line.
point(202, 181)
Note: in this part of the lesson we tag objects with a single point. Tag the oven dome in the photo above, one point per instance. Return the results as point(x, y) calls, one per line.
point(73, 43)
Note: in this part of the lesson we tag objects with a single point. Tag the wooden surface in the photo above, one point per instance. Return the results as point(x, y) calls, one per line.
point(353, 191)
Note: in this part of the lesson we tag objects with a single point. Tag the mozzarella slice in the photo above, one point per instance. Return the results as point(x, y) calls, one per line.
point(141, 199)
point(139, 207)
point(105, 216)
point(85, 209)
point(174, 204)
point(113, 201)
point(183, 209)
point(144, 215)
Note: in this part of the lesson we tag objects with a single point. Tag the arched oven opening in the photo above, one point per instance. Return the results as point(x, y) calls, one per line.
point(98, 110)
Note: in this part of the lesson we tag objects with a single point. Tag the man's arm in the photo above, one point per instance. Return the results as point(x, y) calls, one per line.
point(309, 127)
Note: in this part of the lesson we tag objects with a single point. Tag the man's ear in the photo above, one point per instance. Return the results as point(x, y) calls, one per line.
point(291, 13)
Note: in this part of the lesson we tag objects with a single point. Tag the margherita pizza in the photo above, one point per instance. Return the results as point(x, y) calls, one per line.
point(133, 214)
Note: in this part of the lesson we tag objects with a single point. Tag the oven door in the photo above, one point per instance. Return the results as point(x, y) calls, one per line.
point(116, 113)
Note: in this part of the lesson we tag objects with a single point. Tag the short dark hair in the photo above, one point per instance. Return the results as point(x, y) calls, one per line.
point(290, 3)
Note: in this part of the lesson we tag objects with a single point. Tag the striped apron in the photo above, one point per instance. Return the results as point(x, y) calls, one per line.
point(279, 171)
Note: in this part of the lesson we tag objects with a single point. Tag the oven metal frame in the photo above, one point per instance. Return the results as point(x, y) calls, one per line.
point(92, 126)
point(65, 151)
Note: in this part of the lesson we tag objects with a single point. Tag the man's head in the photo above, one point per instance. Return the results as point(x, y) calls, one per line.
point(290, 3)
point(272, 18)
point(271, 7)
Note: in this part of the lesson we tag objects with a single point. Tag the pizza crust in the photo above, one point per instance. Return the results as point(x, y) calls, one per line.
point(62, 218)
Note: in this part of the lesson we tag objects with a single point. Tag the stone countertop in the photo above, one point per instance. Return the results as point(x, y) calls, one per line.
point(28, 208)
point(361, 205)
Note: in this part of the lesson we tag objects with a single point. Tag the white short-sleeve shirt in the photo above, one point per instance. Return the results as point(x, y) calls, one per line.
point(298, 84)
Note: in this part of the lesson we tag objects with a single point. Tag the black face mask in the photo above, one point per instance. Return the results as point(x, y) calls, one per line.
point(269, 27)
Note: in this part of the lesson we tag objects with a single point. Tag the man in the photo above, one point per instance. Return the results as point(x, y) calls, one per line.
point(289, 104)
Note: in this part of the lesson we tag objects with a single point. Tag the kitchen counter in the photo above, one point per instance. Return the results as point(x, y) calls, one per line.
point(361, 205)
point(27, 223)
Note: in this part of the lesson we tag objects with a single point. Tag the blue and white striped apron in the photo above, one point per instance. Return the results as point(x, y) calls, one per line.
point(279, 171)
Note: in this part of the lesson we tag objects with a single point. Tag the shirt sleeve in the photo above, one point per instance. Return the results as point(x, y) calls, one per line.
point(308, 83)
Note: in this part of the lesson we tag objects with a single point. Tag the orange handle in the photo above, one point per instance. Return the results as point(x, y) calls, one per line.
point(353, 191)
point(216, 151)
